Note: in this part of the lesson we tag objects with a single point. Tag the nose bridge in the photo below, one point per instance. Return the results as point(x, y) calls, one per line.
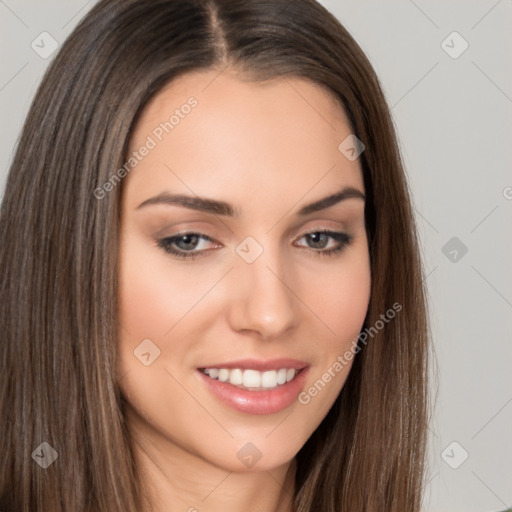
point(263, 301)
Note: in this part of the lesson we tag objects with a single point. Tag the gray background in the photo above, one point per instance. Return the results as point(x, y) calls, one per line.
point(453, 119)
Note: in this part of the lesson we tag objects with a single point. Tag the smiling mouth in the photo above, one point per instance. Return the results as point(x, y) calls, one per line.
point(253, 380)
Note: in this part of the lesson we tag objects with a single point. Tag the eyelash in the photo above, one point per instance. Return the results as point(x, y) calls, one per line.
point(343, 239)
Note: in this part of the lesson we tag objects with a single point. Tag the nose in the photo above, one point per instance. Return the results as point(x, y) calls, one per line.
point(263, 300)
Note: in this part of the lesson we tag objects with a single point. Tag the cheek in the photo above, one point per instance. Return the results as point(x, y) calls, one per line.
point(153, 294)
point(144, 306)
point(340, 298)
point(145, 301)
point(352, 295)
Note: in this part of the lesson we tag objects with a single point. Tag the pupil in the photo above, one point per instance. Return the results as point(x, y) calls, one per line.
point(188, 240)
point(316, 237)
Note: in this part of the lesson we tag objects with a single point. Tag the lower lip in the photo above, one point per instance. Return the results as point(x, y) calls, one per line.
point(257, 402)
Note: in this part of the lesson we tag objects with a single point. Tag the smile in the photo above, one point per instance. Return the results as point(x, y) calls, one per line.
point(255, 387)
point(252, 380)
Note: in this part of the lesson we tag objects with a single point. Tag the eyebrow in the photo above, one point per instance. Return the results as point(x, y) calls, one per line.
point(223, 208)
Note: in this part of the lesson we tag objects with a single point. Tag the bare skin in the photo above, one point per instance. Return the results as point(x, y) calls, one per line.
point(268, 149)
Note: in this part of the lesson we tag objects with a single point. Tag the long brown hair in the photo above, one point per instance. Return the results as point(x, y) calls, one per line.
point(58, 260)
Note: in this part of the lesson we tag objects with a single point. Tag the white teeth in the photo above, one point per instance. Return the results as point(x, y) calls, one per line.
point(223, 375)
point(235, 377)
point(252, 379)
point(290, 374)
point(269, 379)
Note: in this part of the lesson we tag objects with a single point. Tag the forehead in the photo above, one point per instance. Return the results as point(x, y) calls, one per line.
point(289, 101)
point(283, 132)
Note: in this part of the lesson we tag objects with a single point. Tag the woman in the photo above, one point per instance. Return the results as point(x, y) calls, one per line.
point(212, 290)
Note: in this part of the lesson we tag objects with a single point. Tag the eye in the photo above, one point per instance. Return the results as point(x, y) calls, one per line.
point(327, 243)
point(192, 245)
point(185, 245)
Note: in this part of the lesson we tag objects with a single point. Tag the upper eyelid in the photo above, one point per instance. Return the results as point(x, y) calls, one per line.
point(342, 226)
point(350, 219)
point(204, 235)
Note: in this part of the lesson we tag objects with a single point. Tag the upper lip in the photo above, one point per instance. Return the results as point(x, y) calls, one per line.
point(260, 365)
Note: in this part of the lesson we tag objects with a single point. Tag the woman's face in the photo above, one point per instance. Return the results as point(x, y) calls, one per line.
point(234, 263)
